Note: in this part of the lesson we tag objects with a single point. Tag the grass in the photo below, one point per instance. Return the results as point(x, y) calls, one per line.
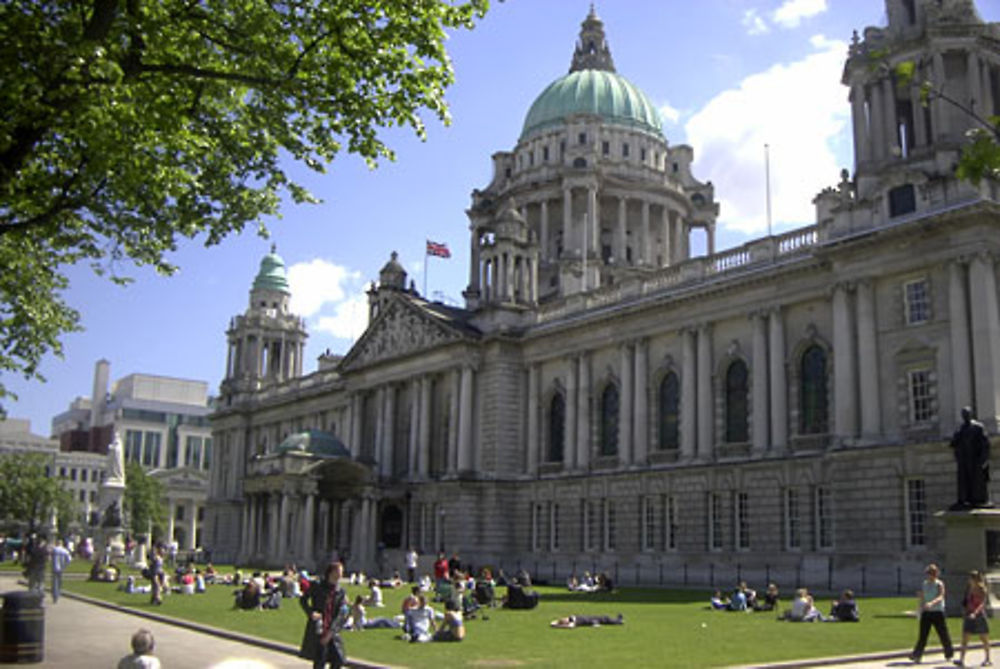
point(663, 627)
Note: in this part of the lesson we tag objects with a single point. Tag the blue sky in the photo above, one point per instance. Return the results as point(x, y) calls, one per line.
point(728, 75)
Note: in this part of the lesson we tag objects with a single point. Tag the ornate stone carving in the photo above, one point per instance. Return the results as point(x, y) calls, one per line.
point(398, 332)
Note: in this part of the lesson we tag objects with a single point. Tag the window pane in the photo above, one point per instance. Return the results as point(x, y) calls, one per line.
point(609, 420)
point(669, 412)
point(736, 403)
point(813, 396)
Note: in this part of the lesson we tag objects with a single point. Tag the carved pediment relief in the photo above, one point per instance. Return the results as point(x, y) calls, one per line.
point(399, 330)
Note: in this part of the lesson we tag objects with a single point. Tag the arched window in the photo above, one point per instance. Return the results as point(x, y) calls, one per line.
point(557, 428)
point(609, 420)
point(669, 403)
point(736, 403)
point(813, 417)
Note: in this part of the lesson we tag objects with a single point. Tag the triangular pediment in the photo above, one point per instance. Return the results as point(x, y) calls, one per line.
point(401, 329)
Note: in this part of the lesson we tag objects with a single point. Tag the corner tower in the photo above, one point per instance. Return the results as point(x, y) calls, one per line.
point(591, 195)
point(266, 343)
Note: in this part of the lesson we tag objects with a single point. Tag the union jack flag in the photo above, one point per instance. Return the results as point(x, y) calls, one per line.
point(438, 249)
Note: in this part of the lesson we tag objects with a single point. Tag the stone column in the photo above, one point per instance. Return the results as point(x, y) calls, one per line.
point(282, 542)
point(689, 430)
point(357, 421)
point(705, 399)
point(467, 456)
point(871, 402)
point(889, 116)
point(379, 427)
point(532, 458)
point(779, 380)
point(665, 234)
point(625, 424)
point(958, 321)
point(592, 217)
point(939, 124)
point(309, 528)
point(277, 528)
point(572, 448)
point(193, 526)
point(424, 446)
point(474, 264)
point(640, 429)
point(646, 245)
point(455, 443)
point(413, 451)
point(761, 404)
point(845, 387)
point(876, 109)
point(172, 514)
point(861, 141)
point(567, 230)
point(543, 242)
point(985, 338)
point(388, 431)
point(583, 412)
point(975, 85)
point(621, 235)
point(244, 529)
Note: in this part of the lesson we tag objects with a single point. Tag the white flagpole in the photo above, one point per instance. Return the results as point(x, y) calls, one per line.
point(425, 269)
point(767, 178)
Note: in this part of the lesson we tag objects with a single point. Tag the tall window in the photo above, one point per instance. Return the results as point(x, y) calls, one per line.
point(921, 400)
point(536, 526)
point(669, 404)
point(609, 420)
point(557, 428)
point(741, 520)
point(824, 517)
point(670, 523)
point(133, 445)
point(206, 459)
point(714, 521)
point(813, 417)
point(591, 524)
point(648, 523)
point(916, 513)
point(554, 524)
point(736, 403)
point(793, 520)
point(151, 449)
point(917, 301)
point(192, 451)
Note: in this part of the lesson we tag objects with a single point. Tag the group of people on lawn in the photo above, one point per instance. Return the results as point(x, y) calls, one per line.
point(803, 608)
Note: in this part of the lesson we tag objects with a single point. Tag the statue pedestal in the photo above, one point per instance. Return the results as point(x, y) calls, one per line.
point(111, 501)
point(972, 541)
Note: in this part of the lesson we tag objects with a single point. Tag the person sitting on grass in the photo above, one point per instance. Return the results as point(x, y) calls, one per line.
point(519, 598)
point(770, 602)
point(717, 602)
point(374, 595)
point(750, 594)
point(738, 602)
point(419, 623)
point(452, 629)
point(248, 597)
point(803, 609)
point(845, 609)
point(571, 622)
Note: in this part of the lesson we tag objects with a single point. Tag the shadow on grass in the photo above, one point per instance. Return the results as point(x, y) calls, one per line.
point(628, 596)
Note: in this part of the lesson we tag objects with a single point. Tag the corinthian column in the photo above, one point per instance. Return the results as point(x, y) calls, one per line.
point(689, 430)
point(583, 412)
point(845, 387)
point(761, 409)
point(705, 403)
point(531, 464)
point(640, 430)
point(871, 403)
point(466, 444)
point(625, 405)
point(985, 338)
point(779, 380)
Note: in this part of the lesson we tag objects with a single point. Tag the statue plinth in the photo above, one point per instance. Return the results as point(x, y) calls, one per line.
point(111, 500)
point(972, 541)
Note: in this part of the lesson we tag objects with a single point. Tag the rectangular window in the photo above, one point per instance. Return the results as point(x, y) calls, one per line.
point(610, 527)
point(179, 513)
point(192, 451)
point(624, 150)
point(916, 513)
point(133, 445)
point(648, 523)
point(545, 154)
point(62, 472)
point(206, 458)
point(72, 474)
point(741, 520)
point(605, 148)
point(83, 495)
point(670, 523)
point(824, 518)
point(151, 449)
point(921, 404)
point(793, 522)
point(93, 496)
point(83, 475)
point(554, 524)
point(642, 155)
point(536, 526)
point(917, 301)
point(582, 137)
point(714, 521)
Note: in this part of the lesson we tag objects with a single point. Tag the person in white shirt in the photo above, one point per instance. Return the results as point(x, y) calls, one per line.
point(141, 656)
point(60, 558)
point(411, 565)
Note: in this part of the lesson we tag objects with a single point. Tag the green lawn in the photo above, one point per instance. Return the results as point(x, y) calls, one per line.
point(663, 627)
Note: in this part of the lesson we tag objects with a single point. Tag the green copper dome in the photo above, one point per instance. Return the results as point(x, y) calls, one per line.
point(272, 274)
point(315, 442)
point(599, 92)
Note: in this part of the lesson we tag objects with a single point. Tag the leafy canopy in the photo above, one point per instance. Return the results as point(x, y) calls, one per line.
point(129, 124)
point(143, 501)
point(29, 498)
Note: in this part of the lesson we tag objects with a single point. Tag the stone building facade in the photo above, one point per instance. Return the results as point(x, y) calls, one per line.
point(604, 400)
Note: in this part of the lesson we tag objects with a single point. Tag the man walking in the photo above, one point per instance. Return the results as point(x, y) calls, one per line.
point(60, 558)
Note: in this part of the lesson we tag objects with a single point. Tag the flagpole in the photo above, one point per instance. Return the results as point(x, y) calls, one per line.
point(425, 269)
point(767, 179)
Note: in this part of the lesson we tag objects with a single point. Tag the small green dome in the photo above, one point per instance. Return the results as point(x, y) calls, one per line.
point(272, 274)
point(599, 92)
point(315, 442)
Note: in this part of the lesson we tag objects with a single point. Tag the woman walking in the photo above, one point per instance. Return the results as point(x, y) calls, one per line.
point(931, 610)
point(974, 617)
point(325, 604)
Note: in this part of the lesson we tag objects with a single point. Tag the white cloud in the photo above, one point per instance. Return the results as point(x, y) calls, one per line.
point(754, 23)
point(318, 282)
point(669, 114)
point(797, 108)
point(330, 296)
point(791, 13)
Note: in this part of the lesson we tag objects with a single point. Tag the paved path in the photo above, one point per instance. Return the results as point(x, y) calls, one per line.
point(81, 636)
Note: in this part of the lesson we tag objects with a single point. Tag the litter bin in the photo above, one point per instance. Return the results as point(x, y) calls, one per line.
point(22, 627)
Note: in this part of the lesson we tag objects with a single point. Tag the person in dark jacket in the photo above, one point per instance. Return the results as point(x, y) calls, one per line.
point(325, 605)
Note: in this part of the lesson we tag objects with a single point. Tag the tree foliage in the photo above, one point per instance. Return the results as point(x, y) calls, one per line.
point(29, 497)
point(129, 124)
point(143, 501)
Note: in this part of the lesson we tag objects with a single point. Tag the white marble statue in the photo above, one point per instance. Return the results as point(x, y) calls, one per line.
point(116, 460)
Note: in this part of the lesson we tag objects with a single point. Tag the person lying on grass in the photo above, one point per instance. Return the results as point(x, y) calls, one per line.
point(571, 622)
